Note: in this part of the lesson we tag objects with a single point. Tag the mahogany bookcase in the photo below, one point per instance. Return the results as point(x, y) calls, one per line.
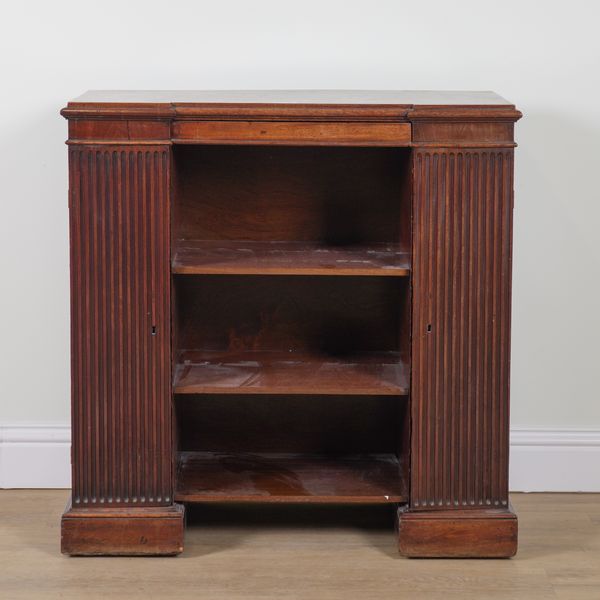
point(294, 297)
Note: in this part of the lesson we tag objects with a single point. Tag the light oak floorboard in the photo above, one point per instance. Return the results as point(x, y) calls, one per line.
point(309, 552)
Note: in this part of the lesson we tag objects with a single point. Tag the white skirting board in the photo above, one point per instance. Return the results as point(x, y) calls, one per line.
point(541, 460)
point(554, 460)
point(35, 456)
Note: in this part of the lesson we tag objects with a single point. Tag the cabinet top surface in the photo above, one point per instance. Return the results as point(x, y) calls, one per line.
point(395, 98)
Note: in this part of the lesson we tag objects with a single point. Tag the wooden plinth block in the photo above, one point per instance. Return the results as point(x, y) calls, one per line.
point(123, 531)
point(471, 533)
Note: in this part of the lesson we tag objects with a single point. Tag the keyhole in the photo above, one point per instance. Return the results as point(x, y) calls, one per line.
point(429, 328)
point(153, 329)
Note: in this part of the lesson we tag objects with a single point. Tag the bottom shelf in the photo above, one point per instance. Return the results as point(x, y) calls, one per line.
point(240, 477)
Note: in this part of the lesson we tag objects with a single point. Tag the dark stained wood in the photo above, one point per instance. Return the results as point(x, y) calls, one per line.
point(334, 196)
point(129, 531)
point(215, 268)
point(461, 327)
point(302, 478)
point(289, 373)
point(467, 114)
point(479, 533)
point(289, 105)
point(120, 326)
point(498, 133)
point(225, 257)
point(103, 131)
point(313, 424)
point(291, 133)
point(334, 317)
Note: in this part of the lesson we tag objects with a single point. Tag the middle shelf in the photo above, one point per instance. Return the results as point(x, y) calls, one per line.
point(226, 257)
point(376, 373)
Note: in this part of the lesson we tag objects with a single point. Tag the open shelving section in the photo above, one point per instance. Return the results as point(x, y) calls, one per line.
point(291, 317)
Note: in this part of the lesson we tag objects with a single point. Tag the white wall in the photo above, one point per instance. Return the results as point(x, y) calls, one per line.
point(545, 57)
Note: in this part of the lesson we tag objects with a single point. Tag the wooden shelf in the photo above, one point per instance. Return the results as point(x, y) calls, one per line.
point(288, 258)
point(289, 373)
point(241, 477)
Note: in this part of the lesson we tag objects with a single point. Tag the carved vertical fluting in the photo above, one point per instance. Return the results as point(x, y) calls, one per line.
point(462, 229)
point(120, 325)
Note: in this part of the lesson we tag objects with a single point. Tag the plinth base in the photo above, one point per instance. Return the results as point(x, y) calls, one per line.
point(124, 531)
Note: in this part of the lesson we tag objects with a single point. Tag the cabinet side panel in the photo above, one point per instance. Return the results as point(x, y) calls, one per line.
point(120, 325)
point(462, 210)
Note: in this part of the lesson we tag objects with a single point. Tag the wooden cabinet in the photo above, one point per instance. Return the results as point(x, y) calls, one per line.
point(290, 297)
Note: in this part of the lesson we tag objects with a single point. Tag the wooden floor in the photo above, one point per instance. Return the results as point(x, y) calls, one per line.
point(308, 552)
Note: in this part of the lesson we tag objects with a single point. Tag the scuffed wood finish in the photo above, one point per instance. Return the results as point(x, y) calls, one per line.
point(118, 131)
point(292, 133)
point(120, 326)
point(470, 134)
point(462, 215)
point(480, 533)
point(340, 265)
point(301, 478)
point(123, 531)
point(224, 257)
point(292, 105)
point(289, 373)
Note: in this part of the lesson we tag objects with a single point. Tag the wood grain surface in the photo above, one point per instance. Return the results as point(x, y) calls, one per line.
point(280, 477)
point(480, 533)
point(328, 316)
point(208, 230)
point(289, 105)
point(200, 372)
point(195, 257)
point(334, 196)
point(120, 325)
point(131, 531)
point(461, 328)
point(292, 133)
